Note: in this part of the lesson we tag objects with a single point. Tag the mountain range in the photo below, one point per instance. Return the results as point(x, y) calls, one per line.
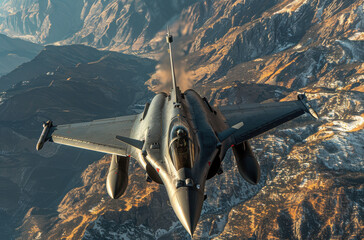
point(232, 52)
point(14, 52)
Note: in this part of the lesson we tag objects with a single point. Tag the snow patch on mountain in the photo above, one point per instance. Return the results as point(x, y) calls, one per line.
point(292, 6)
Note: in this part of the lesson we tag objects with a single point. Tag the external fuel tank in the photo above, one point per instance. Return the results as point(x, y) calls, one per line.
point(117, 178)
point(248, 165)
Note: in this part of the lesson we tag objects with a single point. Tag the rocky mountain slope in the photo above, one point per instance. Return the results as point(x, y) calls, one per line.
point(14, 52)
point(121, 25)
point(233, 52)
point(66, 84)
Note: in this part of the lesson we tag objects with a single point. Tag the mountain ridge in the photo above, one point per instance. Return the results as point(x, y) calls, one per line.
point(232, 52)
point(14, 52)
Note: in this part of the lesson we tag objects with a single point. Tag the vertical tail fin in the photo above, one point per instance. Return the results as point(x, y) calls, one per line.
point(175, 90)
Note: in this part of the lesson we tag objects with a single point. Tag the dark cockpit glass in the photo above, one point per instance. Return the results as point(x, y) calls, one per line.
point(180, 148)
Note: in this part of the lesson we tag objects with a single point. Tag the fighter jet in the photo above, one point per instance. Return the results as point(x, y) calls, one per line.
point(180, 141)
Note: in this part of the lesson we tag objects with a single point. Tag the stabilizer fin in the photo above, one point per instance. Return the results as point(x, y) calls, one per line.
point(230, 131)
point(130, 141)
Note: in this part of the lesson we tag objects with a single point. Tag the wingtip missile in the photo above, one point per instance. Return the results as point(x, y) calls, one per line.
point(302, 97)
point(44, 135)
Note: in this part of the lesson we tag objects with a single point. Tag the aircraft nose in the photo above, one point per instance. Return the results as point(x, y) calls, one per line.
point(187, 204)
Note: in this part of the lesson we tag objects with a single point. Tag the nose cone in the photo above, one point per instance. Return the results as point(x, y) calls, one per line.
point(187, 204)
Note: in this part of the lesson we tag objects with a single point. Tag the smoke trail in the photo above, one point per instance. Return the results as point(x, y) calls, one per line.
point(161, 80)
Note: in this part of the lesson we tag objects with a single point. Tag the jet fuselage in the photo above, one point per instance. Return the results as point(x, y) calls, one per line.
point(181, 163)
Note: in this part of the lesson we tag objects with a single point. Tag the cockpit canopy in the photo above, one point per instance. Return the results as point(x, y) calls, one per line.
point(181, 147)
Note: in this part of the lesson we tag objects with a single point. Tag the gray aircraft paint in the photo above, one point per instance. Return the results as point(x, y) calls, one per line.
point(146, 137)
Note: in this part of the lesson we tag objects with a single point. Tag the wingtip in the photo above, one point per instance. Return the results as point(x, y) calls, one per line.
point(313, 113)
point(44, 135)
point(302, 97)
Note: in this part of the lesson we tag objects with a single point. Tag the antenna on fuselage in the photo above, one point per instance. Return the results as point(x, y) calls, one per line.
point(174, 92)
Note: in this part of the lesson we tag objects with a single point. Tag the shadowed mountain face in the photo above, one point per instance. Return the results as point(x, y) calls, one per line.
point(58, 60)
point(114, 24)
point(14, 52)
point(233, 52)
point(66, 84)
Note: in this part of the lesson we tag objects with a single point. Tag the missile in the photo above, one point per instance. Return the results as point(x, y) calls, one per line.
point(309, 109)
point(43, 137)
